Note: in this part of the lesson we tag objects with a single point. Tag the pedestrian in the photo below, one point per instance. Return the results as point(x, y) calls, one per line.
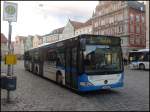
point(125, 61)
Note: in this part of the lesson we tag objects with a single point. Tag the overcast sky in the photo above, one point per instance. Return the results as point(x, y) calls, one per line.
point(41, 17)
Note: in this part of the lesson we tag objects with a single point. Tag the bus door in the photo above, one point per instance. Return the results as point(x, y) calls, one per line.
point(67, 67)
point(71, 67)
point(74, 68)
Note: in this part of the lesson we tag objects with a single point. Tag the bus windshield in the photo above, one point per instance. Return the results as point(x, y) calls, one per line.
point(99, 59)
point(138, 56)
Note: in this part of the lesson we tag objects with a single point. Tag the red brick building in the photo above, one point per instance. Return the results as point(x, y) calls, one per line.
point(4, 48)
point(125, 19)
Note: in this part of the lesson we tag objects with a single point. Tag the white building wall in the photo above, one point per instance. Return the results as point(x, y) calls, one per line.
point(84, 30)
point(68, 32)
point(52, 38)
point(19, 46)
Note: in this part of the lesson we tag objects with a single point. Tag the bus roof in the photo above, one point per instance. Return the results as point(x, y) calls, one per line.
point(144, 50)
point(141, 50)
point(45, 44)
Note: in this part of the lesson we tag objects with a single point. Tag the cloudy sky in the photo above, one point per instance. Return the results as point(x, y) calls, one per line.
point(41, 17)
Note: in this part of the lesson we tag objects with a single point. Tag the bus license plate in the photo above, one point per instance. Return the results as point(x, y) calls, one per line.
point(106, 87)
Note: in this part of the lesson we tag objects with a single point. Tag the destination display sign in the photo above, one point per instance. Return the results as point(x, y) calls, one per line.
point(103, 40)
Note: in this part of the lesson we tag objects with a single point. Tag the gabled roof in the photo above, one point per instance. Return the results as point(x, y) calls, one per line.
point(58, 30)
point(76, 24)
point(3, 38)
point(38, 36)
point(87, 23)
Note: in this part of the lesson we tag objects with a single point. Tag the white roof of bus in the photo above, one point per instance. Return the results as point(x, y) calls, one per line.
point(50, 43)
point(40, 45)
point(140, 50)
point(144, 50)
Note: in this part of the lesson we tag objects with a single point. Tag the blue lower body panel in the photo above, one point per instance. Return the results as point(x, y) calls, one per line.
point(92, 88)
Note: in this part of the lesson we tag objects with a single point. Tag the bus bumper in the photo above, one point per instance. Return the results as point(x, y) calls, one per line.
point(86, 84)
point(92, 88)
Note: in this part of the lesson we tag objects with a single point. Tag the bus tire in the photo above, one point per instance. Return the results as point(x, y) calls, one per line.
point(59, 78)
point(142, 67)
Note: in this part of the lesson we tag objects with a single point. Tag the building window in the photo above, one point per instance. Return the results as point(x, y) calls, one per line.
point(96, 24)
point(111, 20)
point(97, 32)
point(142, 19)
point(121, 29)
point(143, 42)
point(102, 32)
point(100, 13)
point(143, 29)
point(137, 18)
point(99, 22)
point(102, 22)
point(122, 3)
point(120, 17)
point(121, 41)
point(131, 18)
point(137, 40)
point(88, 30)
point(131, 28)
point(132, 40)
point(137, 29)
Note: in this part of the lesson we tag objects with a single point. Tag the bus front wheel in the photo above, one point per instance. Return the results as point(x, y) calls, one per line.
point(142, 67)
point(59, 78)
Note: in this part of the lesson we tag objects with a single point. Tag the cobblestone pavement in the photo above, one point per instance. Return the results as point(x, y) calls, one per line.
point(37, 94)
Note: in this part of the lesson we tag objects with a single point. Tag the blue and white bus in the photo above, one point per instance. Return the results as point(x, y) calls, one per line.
point(139, 59)
point(83, 63)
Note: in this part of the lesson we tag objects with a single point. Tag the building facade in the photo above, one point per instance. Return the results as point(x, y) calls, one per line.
point(72, 28)
point(54, 35)
point(19, 46)
point(85, 28)
point(37, 40)
point(125, 19)
point(4, 47)
point(147, 24)
point(69, 29)
point(28, 42)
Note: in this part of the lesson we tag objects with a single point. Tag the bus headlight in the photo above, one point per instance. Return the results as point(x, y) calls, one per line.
point(85, 84)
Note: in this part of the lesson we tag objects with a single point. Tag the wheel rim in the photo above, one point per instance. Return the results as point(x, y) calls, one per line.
point(59, 80)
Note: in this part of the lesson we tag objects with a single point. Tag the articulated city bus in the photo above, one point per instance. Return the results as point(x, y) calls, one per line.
point(83, 63)
point(139, 59)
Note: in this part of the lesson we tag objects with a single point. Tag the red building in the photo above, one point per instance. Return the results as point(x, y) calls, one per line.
point(136, 28)
point(4, 48)
point(125, 19)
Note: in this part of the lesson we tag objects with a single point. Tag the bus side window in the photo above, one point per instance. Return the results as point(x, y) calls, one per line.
point(60, 58)
point(52, 57)
point(142, 58)
point(58, 62)
point(80, 61)
point(74, 57)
